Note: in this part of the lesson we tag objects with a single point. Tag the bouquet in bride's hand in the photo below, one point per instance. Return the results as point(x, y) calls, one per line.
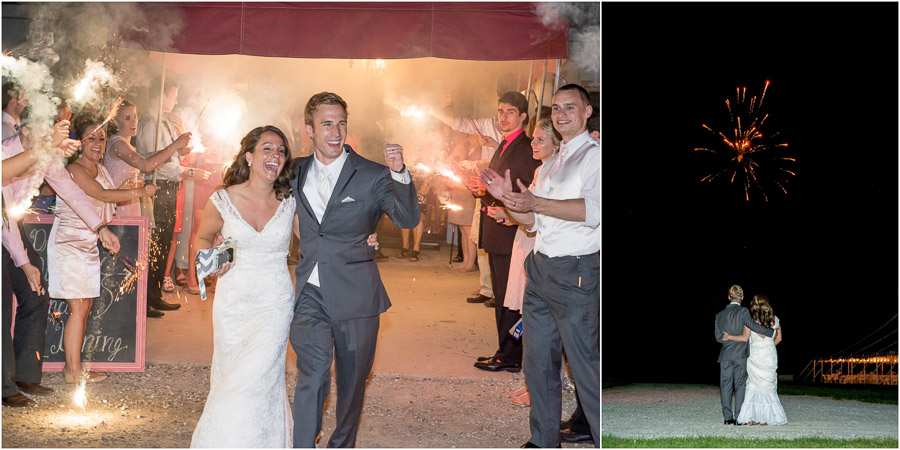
point(214, 261)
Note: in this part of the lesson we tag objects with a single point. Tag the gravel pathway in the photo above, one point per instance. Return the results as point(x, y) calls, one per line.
point(655, 411)
point(161, 407)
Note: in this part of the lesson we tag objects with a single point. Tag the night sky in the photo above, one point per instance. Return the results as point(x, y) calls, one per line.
point(825, 253)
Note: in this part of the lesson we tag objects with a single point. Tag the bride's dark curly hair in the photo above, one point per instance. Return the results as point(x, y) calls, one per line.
point(239, 171)
point(761, 311)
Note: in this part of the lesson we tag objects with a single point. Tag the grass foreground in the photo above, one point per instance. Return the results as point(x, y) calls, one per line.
point(728, 442)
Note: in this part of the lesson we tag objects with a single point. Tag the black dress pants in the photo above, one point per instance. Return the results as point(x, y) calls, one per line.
point(22, 355)
point(509, 349)
point(164, 205)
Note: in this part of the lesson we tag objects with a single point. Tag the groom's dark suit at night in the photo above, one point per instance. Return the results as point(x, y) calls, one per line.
point(339, 290)
point(734, 354)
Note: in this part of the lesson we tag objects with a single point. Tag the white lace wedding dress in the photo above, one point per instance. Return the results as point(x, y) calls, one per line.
point(247, 404)
point(761, 402)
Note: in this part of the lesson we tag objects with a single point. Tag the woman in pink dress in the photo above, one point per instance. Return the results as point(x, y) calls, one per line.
point(73, 259)
point(124, 163)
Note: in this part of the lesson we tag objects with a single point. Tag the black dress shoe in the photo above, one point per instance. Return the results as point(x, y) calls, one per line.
point(163, 305)
point(485, 358)
point(530, 445)
point(495, 365)
point(18, 400)
point(154, 313)
point(730, 422)
point(34, 388)
point(573, 437)
point(477, 299)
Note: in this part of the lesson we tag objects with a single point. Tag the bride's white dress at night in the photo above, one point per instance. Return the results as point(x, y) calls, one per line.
point(247, 404)
point(761, 402)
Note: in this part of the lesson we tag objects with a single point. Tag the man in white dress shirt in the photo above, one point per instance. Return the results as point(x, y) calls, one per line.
point(561, 307)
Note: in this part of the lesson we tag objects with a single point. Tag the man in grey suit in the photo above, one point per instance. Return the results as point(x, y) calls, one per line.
point(340, 198)
point(733, 356)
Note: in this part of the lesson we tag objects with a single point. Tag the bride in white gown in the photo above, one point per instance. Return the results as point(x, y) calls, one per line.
point(761, 405)
point(247, 404)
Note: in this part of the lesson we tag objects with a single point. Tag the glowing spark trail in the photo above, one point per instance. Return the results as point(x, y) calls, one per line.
point(109, 117)
point(749, 154)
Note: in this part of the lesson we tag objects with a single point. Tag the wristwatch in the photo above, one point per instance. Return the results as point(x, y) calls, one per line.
point(402, 169)
point(101, 227)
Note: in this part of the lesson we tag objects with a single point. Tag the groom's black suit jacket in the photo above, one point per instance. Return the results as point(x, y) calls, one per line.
point(350, 283)
point(732, 320)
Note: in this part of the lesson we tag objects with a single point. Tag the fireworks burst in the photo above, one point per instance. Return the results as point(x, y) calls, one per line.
point(750, 155)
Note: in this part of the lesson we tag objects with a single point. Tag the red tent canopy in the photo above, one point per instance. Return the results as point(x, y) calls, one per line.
point(475, 31)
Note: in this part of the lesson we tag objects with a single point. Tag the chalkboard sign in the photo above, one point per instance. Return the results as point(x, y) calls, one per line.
point(116, 333)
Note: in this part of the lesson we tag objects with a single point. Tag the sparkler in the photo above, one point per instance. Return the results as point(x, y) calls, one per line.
point(440, 171)
point(474, 124)
point(413, 111)
point(80, 396)
point(748, 152)
point(197, 122)
point(109, 117)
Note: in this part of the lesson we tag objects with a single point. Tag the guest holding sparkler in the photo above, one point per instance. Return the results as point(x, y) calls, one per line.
point(465, 150)
point(73, 259)
point(488, 132)
point(123, 161)
point(167, 176)
point(21, 361)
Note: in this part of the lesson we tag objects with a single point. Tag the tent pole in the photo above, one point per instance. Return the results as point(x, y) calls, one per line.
point(541, 101)
point(556, 79)
point(162, 87)
point(528, 92)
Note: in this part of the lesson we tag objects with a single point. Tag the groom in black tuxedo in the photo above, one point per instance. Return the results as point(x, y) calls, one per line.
point(340, 198)
point(734, 354)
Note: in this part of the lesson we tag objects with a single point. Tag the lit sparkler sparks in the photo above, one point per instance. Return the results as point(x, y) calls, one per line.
point(442, 171)
point(95, 74)
point(413, 111)
point(17, 211)
point(80, 396)
point(748, 152)
point(452, 207)
point(449, 174)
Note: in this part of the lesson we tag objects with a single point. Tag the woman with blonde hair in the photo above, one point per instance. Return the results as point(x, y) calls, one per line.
point(544, 144)
point(761, 405)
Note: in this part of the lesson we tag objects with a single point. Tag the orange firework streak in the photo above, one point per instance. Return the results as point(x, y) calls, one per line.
point(747, 147)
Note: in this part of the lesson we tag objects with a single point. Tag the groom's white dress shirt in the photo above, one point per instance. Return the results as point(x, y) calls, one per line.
point(318, 201)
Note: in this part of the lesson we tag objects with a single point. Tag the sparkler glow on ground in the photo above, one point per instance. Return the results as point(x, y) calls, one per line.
point(748, 152)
